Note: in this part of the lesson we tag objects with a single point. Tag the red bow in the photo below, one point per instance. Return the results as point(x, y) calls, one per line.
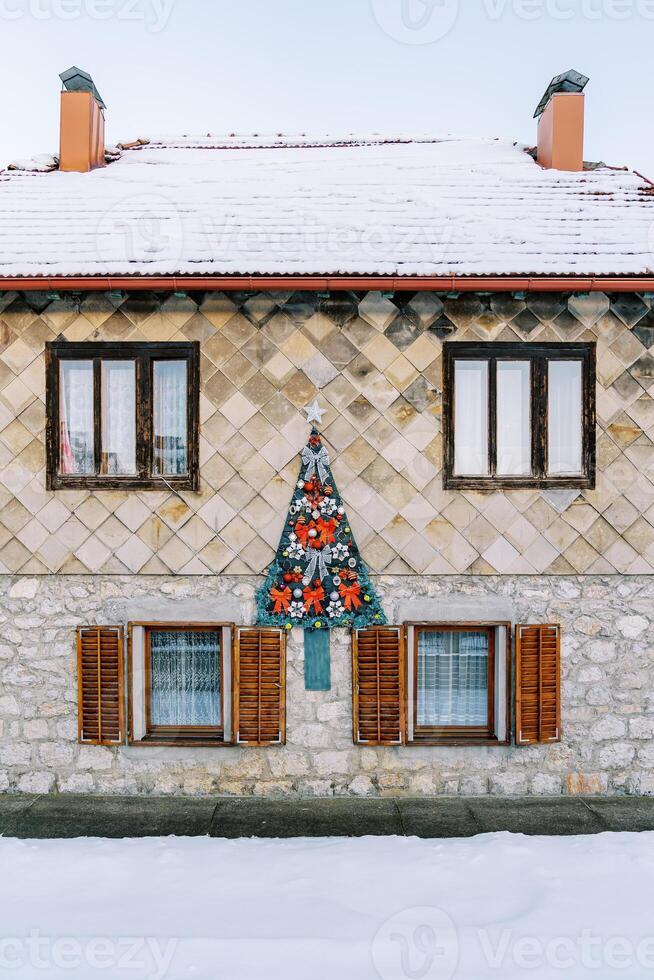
point(281, 598)
point(326, 530)
point(302, 531)
point(350, 594)
point(313, 597)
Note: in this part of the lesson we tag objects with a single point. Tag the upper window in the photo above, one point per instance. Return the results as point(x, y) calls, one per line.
point(122, 415)
point(519, 415)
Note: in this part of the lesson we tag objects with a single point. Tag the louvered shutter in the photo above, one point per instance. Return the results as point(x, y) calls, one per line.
point(538, 684)
point(378, 686)
point(100, 696)
point(260, 687)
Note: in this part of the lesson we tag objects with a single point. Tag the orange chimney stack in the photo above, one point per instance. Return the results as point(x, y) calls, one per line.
point(81, 143)
point(560, 115)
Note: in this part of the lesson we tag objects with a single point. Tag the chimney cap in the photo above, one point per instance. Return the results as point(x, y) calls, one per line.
point(569, 81)
point(76, 80)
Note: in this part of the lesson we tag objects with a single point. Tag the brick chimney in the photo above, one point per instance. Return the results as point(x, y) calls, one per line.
point(81, 142)
point(560, 115)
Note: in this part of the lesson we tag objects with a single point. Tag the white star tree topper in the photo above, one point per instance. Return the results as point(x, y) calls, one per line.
point(314, 412)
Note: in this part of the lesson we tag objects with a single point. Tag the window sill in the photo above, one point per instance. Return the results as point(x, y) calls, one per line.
point(180, 743)
point(518, 483)
point(121, 483)
point(458, 742)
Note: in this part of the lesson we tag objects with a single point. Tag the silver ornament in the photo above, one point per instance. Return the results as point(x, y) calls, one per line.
point(315, 514)
point(306, 581)
point(337, 580)
point(333, 596)
point(352, 562)
point(313, 533)
point(299, 484)
point(340, 510)
point(292, 537)
point(297, 593)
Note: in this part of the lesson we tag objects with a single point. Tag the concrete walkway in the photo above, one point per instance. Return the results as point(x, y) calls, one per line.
point(116, 816)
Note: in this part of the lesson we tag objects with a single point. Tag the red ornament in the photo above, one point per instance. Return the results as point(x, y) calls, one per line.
point(288, 577)
point(307, 487)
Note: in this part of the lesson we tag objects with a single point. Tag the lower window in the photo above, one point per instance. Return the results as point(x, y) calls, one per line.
point(456, 683)
point(181, 683)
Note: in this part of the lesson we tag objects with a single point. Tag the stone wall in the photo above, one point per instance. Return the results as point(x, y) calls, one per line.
point(608, 693)
point(374, 362)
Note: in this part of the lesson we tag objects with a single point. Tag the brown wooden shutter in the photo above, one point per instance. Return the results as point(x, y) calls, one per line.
point(378, 686)
point(260, 687)
point(538, 684)
point(100, 694)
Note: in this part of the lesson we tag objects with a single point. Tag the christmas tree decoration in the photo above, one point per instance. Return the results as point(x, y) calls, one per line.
point(317, 580)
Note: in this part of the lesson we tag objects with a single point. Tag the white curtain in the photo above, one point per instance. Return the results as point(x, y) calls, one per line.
point(452, 678)
point(471, 418)
point(185, 677)
point(564, 433)
point(513, 418)
point(76, 417)
point(170, 431)
point(118, 417)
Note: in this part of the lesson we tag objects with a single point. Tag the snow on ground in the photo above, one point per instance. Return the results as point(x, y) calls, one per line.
point(497, 905)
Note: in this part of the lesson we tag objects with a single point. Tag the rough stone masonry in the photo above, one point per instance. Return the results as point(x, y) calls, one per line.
point(608, 694)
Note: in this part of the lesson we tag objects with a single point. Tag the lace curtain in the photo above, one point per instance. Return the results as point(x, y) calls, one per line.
point(170, 431)
point(452, 678)
point(185, 678)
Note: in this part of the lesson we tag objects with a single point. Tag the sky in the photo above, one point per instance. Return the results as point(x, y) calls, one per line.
point(468, 67)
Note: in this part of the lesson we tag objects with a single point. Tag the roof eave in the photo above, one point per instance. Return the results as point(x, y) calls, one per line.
point(333, 283)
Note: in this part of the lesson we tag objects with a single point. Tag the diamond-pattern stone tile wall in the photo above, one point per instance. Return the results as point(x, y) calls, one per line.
point(373, 361)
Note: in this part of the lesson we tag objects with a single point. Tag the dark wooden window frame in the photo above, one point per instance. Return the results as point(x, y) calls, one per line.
point(538, 355)
point(172, 736)
point(144, 355)
point(465, 735)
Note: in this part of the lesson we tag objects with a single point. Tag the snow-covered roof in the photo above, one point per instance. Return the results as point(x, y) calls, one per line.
point(272, 205)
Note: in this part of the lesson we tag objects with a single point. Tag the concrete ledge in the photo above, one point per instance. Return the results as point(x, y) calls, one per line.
point(118, 816)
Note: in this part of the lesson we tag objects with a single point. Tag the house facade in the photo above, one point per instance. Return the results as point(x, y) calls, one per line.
point(475, 330)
